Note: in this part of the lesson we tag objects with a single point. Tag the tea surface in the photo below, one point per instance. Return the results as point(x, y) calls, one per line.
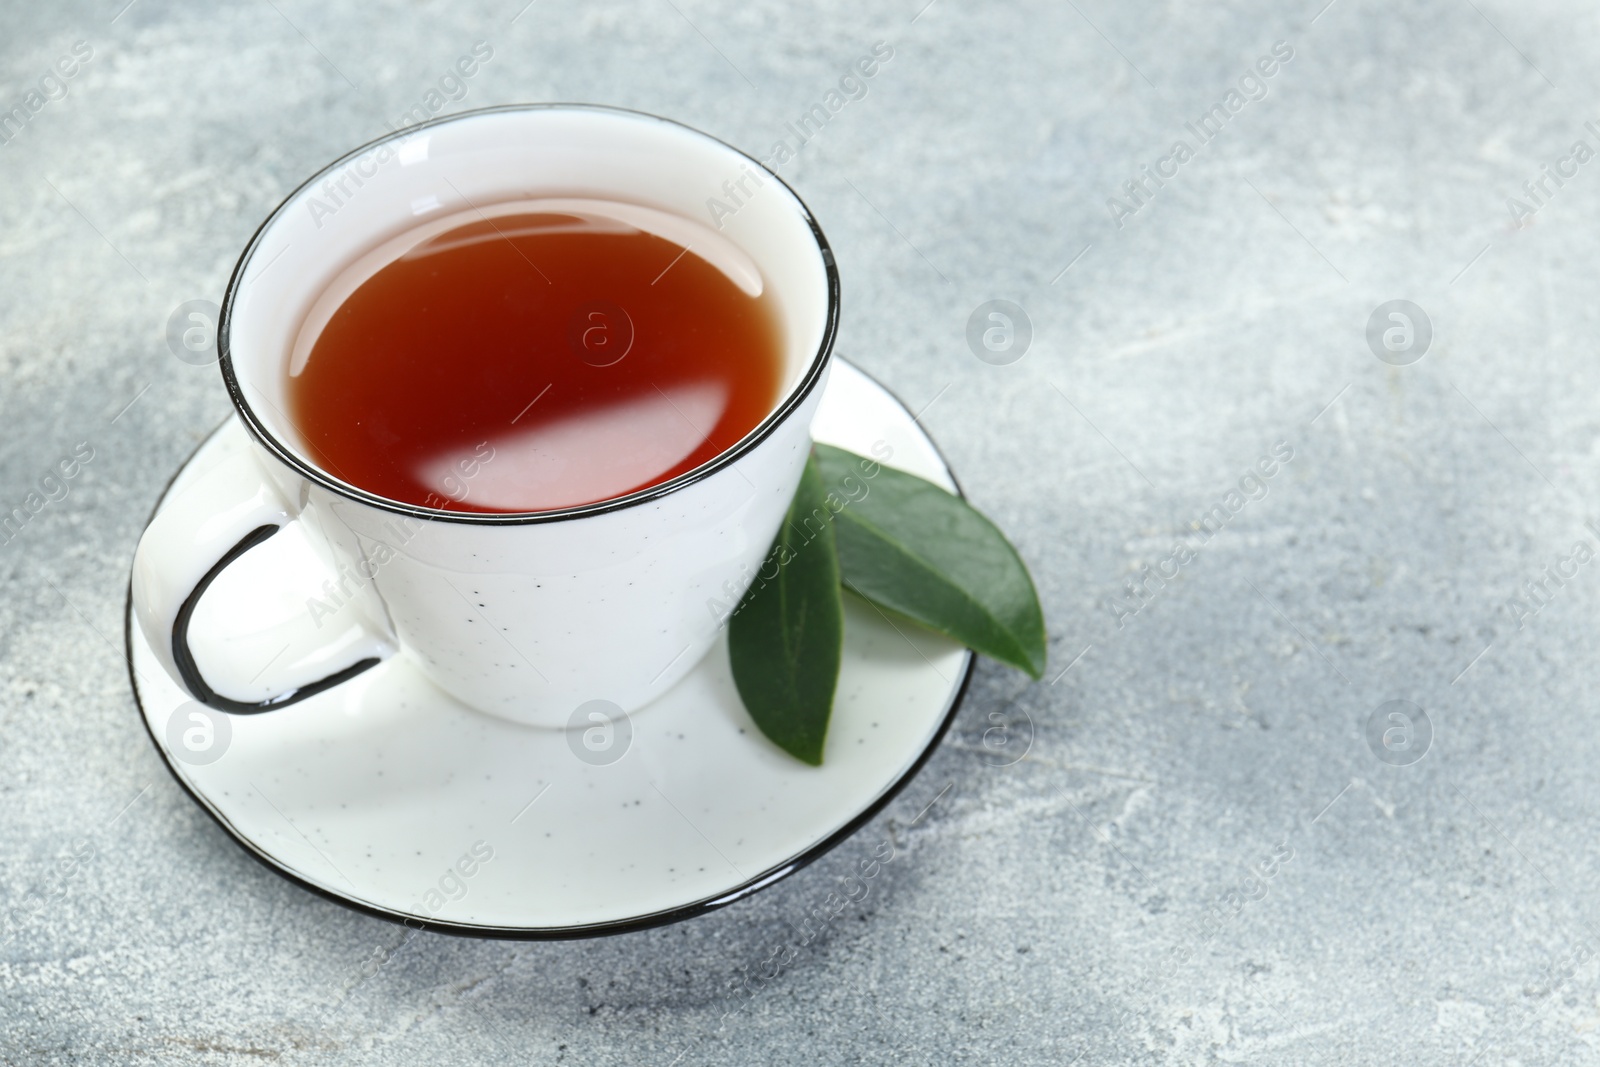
point(534, 361)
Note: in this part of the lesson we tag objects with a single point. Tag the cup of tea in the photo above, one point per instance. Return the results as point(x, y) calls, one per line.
point(535, 383)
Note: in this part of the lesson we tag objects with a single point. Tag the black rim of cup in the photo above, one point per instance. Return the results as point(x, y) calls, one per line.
point(780, 414)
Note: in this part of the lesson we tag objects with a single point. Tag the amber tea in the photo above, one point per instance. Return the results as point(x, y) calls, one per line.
point(540, 359)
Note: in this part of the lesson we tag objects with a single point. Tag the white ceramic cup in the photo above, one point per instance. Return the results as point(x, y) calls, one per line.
point(527, 616)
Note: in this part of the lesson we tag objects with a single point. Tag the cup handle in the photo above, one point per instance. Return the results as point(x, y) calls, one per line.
point(217, 518)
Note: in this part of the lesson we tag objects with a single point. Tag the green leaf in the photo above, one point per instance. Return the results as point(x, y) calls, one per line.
point(911, 547)
point(787, 634)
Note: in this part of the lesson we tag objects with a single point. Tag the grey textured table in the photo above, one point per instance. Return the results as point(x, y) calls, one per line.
point(1189, 846)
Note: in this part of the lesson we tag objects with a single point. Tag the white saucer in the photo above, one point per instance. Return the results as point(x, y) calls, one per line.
point(386, 795)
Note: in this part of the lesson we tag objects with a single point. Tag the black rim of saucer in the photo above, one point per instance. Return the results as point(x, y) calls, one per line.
point(796, 397)
point(769, 877)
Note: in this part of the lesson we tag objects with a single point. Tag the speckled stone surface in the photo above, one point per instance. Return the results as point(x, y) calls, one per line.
point(1185, 849)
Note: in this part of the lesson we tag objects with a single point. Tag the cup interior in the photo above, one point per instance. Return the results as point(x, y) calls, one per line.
point(366, 208)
